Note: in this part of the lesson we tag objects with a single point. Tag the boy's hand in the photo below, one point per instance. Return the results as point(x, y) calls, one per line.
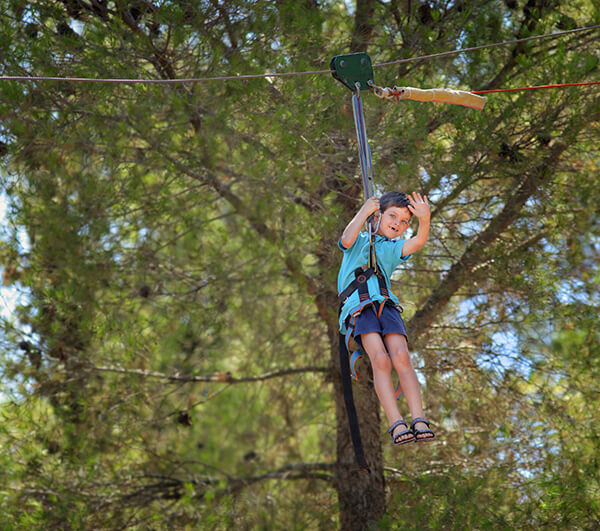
point(419, 206)
point(371, 205)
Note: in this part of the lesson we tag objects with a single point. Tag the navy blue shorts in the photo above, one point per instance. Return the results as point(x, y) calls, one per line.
point(390, 322)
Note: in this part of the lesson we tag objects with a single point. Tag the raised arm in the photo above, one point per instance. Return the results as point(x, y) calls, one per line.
point(419, 207)
point(352, 230)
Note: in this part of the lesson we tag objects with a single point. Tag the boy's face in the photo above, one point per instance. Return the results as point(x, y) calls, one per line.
point(394, 221)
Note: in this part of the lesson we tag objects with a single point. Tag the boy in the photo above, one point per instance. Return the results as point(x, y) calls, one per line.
point(375, 321)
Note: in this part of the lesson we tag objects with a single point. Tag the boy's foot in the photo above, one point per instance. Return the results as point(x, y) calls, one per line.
point(400, 436)
point(421, 431)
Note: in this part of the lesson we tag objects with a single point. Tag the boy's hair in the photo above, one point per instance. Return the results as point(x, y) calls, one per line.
point(393, 199)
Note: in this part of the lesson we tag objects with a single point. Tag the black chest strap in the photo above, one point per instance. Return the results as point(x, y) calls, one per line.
point(361, 276)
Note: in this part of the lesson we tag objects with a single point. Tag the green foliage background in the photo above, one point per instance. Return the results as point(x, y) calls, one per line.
point(171, 363)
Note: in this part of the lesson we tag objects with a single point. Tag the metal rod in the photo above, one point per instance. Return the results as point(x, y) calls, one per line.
point(366, 164)
point(364, 152)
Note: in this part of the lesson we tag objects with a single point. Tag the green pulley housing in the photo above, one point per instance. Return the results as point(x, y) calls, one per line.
point(352, 68)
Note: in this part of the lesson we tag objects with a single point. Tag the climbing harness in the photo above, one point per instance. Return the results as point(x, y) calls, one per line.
point(362, 275)
point(355, 71)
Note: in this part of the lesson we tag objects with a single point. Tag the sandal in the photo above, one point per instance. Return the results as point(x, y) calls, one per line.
point(429, 434)
point(396, 440)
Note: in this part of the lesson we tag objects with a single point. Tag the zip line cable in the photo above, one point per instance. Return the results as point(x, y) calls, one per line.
point(288, 74)
point(162, 81)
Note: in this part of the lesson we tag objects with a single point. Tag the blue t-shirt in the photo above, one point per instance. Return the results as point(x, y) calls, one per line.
point(389, 255)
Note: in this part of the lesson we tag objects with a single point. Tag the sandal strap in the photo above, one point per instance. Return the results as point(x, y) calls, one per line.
point(424, 439)
point(398, 438)
point(395, 425)
point(418, 419)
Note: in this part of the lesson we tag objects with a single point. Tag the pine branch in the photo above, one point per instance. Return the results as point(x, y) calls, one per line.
point(293, 264)
point(288, 472)
point(225, 377)
point(164, 487)
point(526, 28)
point(475, 254)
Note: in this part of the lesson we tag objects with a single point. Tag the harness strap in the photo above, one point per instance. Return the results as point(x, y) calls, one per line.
point(359, 283)
point(383, 286)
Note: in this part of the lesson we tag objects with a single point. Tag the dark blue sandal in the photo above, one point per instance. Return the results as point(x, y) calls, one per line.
point(397, 439)
point(421, 435)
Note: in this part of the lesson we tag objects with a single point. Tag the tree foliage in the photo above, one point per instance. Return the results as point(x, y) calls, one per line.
point(172, 361)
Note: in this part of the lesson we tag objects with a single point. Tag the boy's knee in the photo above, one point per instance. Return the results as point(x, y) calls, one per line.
point(382, 362)
point(401, 357)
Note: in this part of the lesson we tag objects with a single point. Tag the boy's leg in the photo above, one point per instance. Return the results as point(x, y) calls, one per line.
point(382, 378)
point(397, 347)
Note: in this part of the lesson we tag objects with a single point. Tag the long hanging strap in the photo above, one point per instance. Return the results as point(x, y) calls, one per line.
point(359, 453)
point(366, 168)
